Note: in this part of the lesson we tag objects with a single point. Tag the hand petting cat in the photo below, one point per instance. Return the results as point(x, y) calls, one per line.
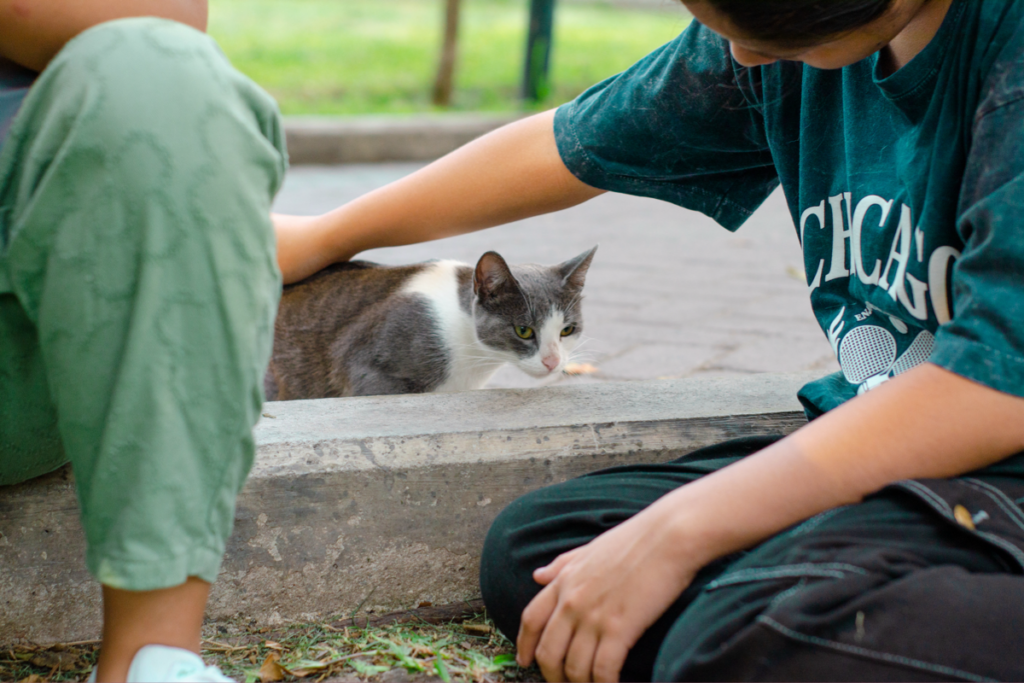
point(507, 175)
point(300, 246)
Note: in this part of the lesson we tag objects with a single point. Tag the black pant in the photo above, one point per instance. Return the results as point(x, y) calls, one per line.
point(893, 588)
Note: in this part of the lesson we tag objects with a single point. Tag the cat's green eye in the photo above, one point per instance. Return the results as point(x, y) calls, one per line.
point(524, 332)
point(568, 329)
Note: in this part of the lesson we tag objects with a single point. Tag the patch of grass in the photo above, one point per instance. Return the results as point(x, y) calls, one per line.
point(375, 56)
point(468, 651)
point(471, 650)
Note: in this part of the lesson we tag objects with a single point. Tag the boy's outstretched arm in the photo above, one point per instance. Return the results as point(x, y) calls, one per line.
point(509, 174)
point(599, 598)
point(33, 31)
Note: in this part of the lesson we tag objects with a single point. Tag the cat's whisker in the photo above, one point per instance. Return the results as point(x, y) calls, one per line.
point(584, 355)
point(579, 355)
point(480, 361)
point(575, 300)
point(486, 365)
point(580, 345)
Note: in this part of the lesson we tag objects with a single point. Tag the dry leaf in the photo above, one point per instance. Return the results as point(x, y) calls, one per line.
point(271, 671)
point(305, 667)
point(64, 661)
point(214, 646)
point(271, 645)
point(34, 678)
point(580, 369)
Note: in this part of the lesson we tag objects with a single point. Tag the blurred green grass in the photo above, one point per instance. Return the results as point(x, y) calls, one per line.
point(380, 56)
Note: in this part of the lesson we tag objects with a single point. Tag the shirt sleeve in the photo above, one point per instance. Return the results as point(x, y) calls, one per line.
point(984, 341)
point(682, 125)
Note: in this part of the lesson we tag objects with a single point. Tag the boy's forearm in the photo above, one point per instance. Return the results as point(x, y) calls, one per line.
point(32, 32)
point(510, 174)
point(926, 423)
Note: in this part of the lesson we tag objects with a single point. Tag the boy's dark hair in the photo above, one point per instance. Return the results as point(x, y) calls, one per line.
point(799, 23)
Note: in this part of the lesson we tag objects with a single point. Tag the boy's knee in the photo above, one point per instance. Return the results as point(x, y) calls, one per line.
point(506, 566)
point(140, 117)
point(154, 84)
point(135, 63)
point(497, 553)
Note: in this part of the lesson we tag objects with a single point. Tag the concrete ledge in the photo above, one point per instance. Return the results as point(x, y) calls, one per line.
point(352, 140)
point(379, 503)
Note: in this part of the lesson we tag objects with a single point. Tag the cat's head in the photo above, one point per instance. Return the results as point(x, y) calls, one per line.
point(529, 313)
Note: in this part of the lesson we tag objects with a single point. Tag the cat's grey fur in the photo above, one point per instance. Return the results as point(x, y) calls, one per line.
point(359, 328)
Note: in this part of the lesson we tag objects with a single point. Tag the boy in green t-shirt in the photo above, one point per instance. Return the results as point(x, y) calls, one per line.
point(137, 293)
point(857, 547)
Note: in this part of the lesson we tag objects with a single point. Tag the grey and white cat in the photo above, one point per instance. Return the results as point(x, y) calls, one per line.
point(360, 329)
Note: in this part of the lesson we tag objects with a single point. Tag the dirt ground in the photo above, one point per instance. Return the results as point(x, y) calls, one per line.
point(447, 643)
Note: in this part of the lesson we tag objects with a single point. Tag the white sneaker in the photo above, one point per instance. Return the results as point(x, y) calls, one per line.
point(159, 663)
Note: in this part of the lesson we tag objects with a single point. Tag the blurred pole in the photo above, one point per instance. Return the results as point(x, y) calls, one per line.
point(536, 85)
point(449, 48)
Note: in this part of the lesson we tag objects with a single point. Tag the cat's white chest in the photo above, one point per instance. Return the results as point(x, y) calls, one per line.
point(470, 363)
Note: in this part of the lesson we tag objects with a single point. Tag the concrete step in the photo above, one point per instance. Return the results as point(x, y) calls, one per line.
point(371, 139)
point(379, 503)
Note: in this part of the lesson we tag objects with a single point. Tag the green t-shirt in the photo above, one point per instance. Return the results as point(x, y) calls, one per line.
point(907, 192)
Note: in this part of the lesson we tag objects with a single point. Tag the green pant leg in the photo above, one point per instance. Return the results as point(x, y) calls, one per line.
point(541, 525)
point(135, 190)
point(29, 442)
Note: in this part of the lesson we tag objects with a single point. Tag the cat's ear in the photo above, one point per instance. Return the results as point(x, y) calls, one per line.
point(574, 271)
point(492, 276)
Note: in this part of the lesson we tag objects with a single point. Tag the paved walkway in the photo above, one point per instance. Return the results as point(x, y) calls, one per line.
point(670, 294)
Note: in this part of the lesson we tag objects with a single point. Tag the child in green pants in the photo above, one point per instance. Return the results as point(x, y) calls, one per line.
point(138, 286)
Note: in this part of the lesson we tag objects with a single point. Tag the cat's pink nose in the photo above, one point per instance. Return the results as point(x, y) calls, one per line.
point(550, 362)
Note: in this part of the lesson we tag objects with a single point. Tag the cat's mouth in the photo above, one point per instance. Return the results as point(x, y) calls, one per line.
point(538, 371)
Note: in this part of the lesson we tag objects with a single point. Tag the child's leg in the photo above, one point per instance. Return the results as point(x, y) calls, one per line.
point(133, 619)
point(788, 609)
point(882, 590)
point(536, 528)
point(138, 287)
